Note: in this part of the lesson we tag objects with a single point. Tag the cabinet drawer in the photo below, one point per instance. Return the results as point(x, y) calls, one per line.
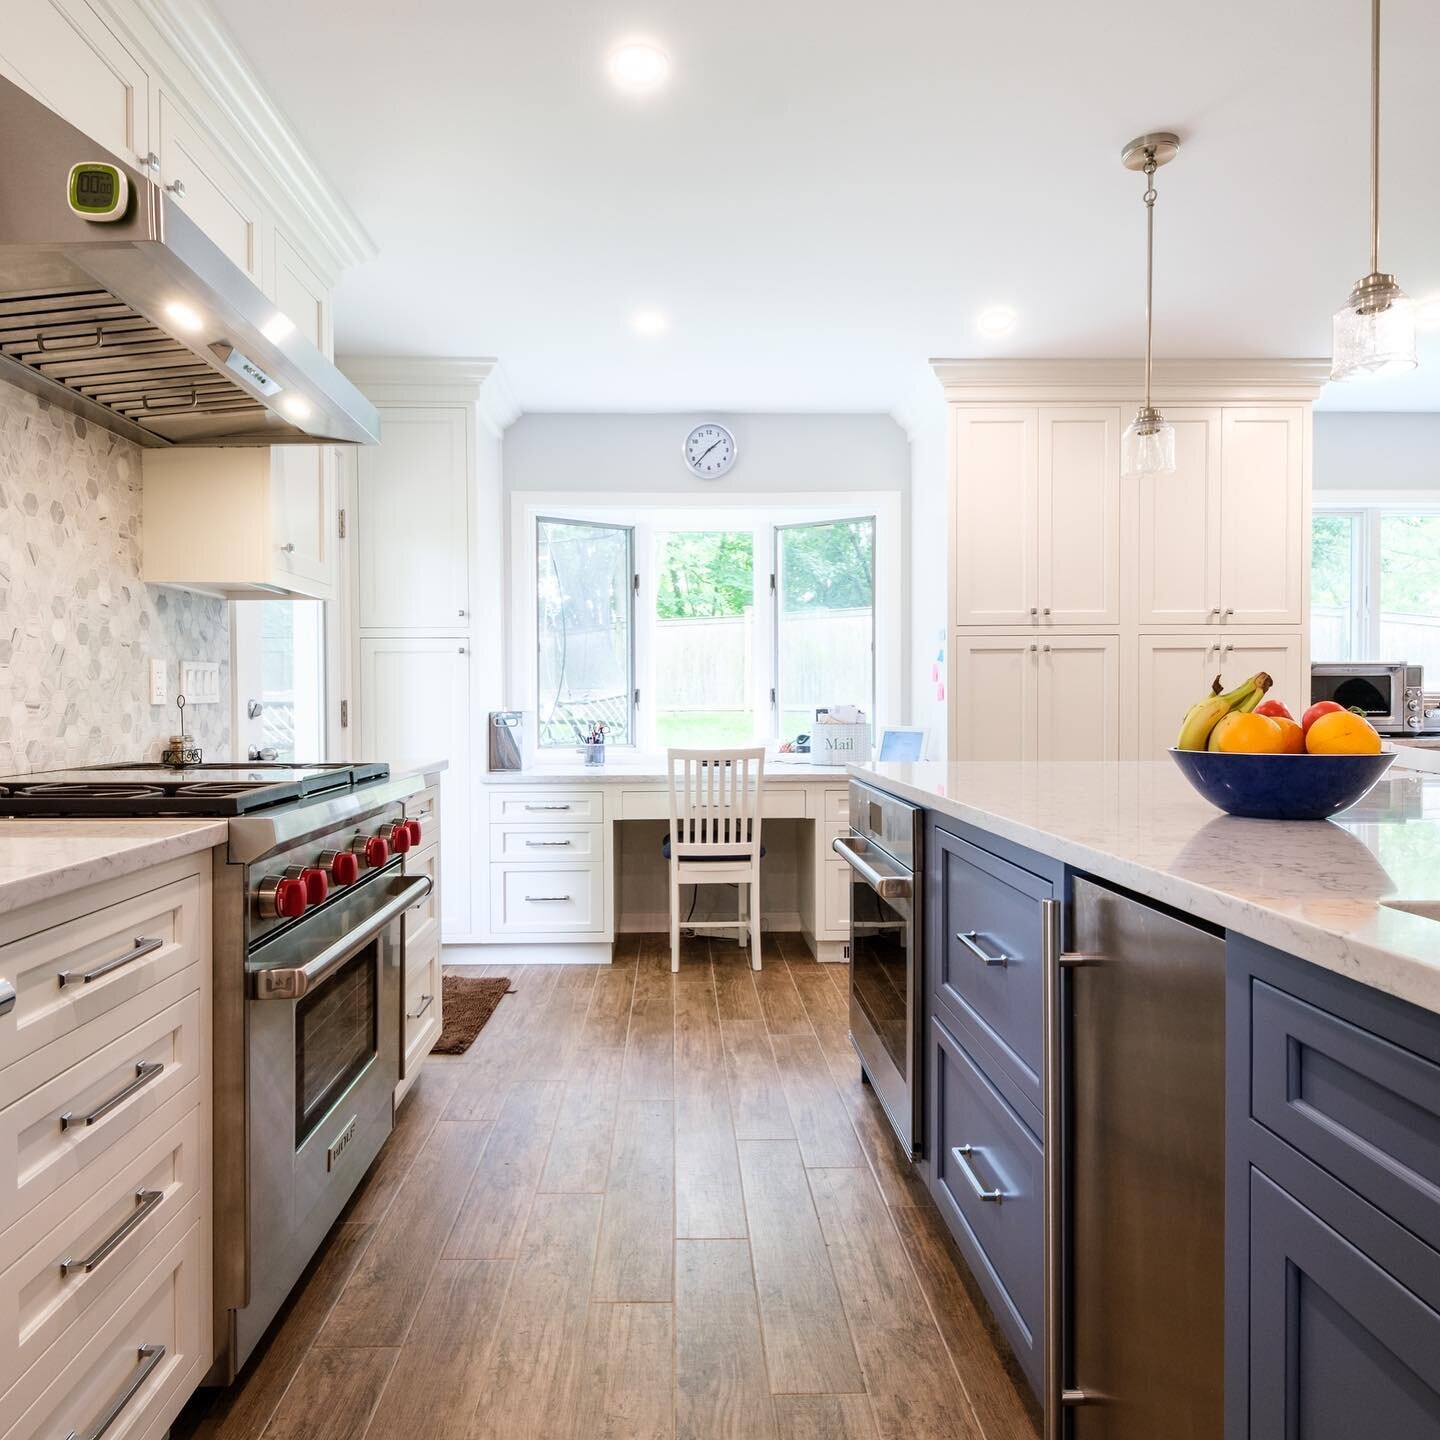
point(425, 807)
point(77, 1271)
point(552, 899)
point(421, 923)
point(79, 1380)
point(547, 807)
point(835, 807)
point(548, 843)
point(835, 917)
point(780, 802)
point(422, 1009)
point(980, 1147)
point(51, 1135)
point(75, 973)
point(988, 967)
point(1360, 1106)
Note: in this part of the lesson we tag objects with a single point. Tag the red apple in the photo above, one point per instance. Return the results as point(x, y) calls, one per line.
point(1319, 708)
point(1275, 709)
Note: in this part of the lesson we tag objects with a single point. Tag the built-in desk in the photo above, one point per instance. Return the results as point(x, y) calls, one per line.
point(570, 855)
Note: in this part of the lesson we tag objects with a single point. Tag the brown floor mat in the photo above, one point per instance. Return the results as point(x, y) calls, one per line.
point(468, 1004)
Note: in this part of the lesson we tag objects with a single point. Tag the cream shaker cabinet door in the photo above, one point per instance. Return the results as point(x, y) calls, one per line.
point(64, 54)
point(303, 526)
point(1281, 656)
point(300, 293)
point(1174, 672)
point(1079, 516)
point(414, 526)
point(1177, 564)
point(995, 516)
point(1079, 698)
point(1262, 516)
point(993, 690)
point(415, 700)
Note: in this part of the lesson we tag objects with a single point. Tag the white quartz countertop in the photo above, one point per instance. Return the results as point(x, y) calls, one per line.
point(43, 858)
point(648, 770)
point(1312, 889)
point(420, 766)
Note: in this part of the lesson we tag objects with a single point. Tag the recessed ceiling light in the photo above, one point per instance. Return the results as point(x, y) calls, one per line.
point(295, 407)
point(185, 316)
point(638, 66)
point(997, 320)
point(649, 322)
point(1427, 313)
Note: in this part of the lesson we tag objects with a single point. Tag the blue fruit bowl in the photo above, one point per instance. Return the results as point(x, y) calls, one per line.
point(1282, 787)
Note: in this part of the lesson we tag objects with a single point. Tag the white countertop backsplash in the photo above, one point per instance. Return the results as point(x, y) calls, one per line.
point(1312, 889)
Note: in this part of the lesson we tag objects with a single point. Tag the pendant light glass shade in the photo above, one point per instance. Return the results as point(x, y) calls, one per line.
point(1374, 340)
point(1148, 446)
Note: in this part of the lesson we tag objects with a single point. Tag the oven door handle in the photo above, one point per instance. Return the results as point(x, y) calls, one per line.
point(887, 887)
point(292, 984)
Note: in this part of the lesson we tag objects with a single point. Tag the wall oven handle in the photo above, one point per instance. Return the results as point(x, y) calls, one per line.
point(962, 1154)
point(145, 1202)
point(145, 1072)
point(970, 939)
point(149, 1356)
point(292, 984)
point(144, 945)
point(887, 887)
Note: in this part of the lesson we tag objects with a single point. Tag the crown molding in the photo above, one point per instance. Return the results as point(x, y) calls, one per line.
point(1296, 381)
point(198, 35)
point(436, 380)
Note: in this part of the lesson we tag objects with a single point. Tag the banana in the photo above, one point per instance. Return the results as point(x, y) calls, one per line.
point(1203, 716)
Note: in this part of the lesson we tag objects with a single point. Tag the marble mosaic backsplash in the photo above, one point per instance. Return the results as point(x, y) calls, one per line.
point(77, 625)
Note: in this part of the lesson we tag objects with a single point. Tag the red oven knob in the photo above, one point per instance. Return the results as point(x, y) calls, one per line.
point(317, 884)
point(377, 852)
point(400, 837)
point(413, 826)
point(344, 867)
point(281, 898)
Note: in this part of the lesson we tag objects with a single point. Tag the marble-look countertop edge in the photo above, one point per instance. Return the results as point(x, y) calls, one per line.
point(617, 775)
point(399, 769)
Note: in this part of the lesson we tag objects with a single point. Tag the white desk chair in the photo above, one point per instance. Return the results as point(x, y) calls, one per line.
point(714, 839)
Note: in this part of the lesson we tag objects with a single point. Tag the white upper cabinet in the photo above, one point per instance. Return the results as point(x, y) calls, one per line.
point(1078, 698)
point(1262, 514)
point(64, 54)
point(300, 293)
point(1079, 517)
point(414, 522)
point(304, 513)
point(995, 517)
point(1178, 523)
point(994, 683)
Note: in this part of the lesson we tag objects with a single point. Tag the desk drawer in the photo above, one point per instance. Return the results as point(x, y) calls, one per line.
point(422, 921)
point(546, 807)
point(537, 844)
point(781, 802)
point(835, 917)
point(70, 1274)
point(125, 949)
point(45, 1140)
point(77, 1382)
point(835, 808)
point(422, 1008)
point(549, 899)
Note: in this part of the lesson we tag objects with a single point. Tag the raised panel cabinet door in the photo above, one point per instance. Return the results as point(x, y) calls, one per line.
point(1078, 514)
point(415, 700)
point(1174, 671)
point(1177, 528)
point(208, 190)
point(1079, 698)
point(303, 524)
point(993, 697)
point(1282, 657)
point(64, 54)
point(301, 294)
point(414, 525)
point(1262, 516)
point(996, 482)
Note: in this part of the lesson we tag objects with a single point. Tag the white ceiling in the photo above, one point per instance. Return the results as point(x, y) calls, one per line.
point(825, 195)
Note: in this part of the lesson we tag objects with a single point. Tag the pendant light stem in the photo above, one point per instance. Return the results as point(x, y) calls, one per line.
point(1150, 168)
point(1374, 136)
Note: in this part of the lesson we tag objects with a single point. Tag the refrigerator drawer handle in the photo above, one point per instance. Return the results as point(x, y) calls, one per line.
point(962, 1154)
point(970, 939)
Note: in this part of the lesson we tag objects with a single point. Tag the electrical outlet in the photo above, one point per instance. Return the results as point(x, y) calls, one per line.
point(200, 682)
point(157, 683)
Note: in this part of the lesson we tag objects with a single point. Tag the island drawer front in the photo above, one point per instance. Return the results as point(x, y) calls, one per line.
point(550, 899)
point(1338, 1347)
point(1001, 1239)
point(76, 1382)
point(546, 807)
point(1362, 1107)
point(425, 807)
point(534, 844)
point(126, 948)
point(422, 921)
point(422, 1007)
point(96, 1244)
point(114, 1089)
point(781, 802)
point(989, 971)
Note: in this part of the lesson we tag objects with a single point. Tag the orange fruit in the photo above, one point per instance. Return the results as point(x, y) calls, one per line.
point(1292, 737)
point(1242, 733)
point(1342, 733)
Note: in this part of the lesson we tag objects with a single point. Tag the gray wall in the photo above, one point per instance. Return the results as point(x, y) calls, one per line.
point(77, 625)
point(1381, 450)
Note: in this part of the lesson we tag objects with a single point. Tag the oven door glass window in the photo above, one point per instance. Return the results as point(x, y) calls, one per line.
point(336, 1037)
point(879, 955)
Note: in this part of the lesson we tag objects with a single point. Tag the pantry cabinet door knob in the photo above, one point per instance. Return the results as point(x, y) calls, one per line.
point(288, 547)
point(177, 189)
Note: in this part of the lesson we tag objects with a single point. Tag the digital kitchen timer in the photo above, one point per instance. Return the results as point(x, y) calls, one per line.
point(98, 191)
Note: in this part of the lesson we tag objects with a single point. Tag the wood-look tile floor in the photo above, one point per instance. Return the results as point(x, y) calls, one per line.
point(643, 1206)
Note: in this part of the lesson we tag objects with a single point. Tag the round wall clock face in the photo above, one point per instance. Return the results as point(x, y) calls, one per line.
point(709, 451)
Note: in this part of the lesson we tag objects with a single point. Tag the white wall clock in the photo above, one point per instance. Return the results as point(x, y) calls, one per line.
point(709, 451)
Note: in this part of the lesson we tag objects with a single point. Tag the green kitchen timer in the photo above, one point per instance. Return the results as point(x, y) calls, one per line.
point(98, 191)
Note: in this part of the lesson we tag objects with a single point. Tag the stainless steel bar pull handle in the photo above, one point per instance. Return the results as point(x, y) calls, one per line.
point(970, 939)
point(424, 1006)
point(145, 1202)
point(962, 1154)
point(887, 887)
point(144, 945)
point(546, 807)
point(548, 844)
point(7, 997)
point(149, 1357)
point(546, 899)
point(145, 1072)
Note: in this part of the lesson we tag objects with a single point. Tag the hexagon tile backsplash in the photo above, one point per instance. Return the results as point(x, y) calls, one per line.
point(78, 627)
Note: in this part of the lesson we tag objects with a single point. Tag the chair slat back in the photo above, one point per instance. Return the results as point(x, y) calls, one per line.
point(715, 800)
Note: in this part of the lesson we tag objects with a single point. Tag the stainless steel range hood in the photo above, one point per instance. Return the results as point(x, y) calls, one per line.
point(142, 324)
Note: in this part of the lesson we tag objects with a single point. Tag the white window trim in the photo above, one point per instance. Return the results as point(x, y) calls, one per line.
point(648, 512)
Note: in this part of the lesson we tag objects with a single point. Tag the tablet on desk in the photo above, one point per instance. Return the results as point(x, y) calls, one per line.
point(902, 743)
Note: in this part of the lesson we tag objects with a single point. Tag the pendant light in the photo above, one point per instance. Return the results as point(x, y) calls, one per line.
point(1148, 445)
point(1375, 332)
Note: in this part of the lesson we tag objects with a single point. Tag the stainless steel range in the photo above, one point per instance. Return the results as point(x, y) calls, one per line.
point(309, 894)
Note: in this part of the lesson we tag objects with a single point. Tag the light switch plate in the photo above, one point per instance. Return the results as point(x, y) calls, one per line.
point(157, 682)
point(200, 682)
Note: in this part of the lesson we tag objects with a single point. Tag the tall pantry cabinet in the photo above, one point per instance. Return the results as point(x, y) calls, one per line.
point(1087, 612)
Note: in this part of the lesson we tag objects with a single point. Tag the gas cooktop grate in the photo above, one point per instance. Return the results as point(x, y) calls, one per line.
point(80, 790)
